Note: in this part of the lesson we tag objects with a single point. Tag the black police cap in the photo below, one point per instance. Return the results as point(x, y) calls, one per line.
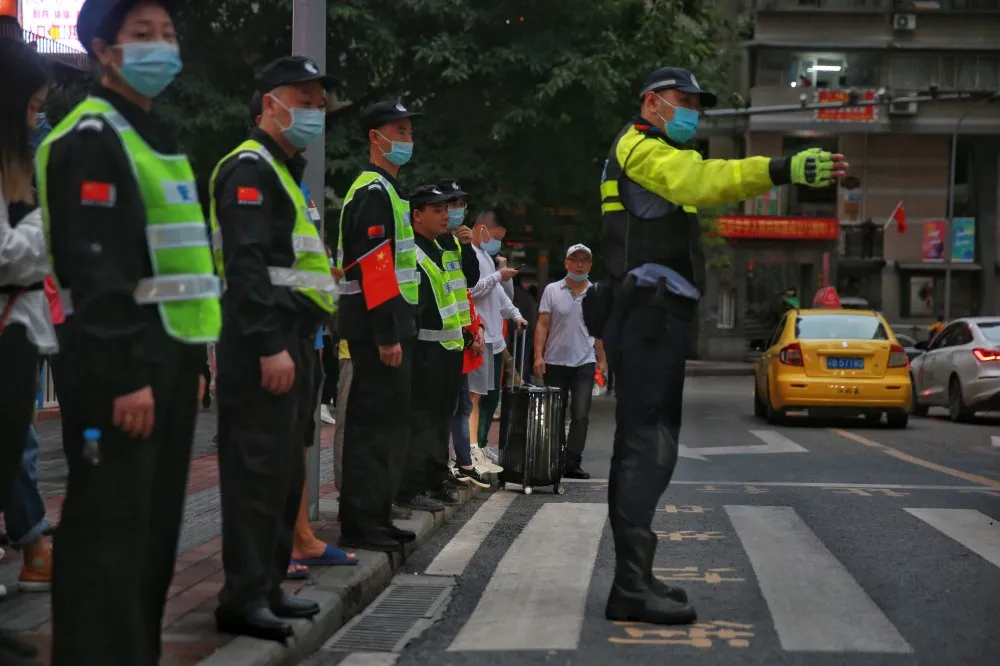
point(289, 70)
point(676, 78)
point(426, 195)
point(451, 187)
point(382, 113)
point(94, 13)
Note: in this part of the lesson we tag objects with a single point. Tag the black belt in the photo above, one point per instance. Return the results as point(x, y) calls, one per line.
point(11, 289)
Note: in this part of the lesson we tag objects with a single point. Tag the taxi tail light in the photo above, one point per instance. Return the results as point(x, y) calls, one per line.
point(898, 357)
point(986, 355)
point(791, 355)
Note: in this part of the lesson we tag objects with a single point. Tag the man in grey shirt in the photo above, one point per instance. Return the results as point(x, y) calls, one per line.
point(566, 354)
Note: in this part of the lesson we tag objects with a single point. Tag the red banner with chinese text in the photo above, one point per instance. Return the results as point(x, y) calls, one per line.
point(776, 227)
point(846, 114)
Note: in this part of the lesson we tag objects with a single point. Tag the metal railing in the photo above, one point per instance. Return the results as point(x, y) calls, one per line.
point(49, 48)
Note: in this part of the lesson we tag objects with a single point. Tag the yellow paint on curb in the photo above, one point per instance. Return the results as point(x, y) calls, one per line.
point(906, 457)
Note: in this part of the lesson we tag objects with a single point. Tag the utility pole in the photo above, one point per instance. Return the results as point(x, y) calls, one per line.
point(309, 40)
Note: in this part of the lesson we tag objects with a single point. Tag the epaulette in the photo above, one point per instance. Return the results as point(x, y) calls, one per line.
point(248, 156)
point(90, 124)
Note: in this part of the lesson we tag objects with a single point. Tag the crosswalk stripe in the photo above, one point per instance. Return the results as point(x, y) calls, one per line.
point(815, 603)
point(538, 593)
point(974, 530)
point(456, 555)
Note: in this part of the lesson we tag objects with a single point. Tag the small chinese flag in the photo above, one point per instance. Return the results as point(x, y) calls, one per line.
point(378, 276)
point(93, 193)
point(899, 217)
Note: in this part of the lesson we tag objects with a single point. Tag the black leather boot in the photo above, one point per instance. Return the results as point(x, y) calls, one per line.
point(634, 597)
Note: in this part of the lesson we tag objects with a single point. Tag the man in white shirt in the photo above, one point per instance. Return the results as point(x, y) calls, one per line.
point(566, 354)
point(493, 305)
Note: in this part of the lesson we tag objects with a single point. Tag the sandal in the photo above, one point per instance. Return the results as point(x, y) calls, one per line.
point(331, 557)
point(297, 571)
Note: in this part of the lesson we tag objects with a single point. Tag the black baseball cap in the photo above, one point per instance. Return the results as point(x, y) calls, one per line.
point(676, 78)
point(97, 17)
point(451, 187)
point(382, 113)
point(426, 195)
point(288, 70)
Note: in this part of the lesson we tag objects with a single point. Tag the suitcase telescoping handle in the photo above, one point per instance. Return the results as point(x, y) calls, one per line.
point(521, 335)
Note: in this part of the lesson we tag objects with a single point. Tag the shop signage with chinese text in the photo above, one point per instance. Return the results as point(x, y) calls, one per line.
point(54, 19)
point(846, 114)
point(775, 227)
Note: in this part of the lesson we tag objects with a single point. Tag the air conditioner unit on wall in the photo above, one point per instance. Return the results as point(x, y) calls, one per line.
point(903, 109)
point(904, 22)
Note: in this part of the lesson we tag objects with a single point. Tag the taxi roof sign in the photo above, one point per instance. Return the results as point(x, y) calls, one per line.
point(827, 297)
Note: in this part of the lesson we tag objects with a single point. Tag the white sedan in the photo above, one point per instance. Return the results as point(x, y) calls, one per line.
point(960, 369)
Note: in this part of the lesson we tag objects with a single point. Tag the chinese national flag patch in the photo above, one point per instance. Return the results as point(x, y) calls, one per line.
point(377, 231)
point(97, 194)
point(248, 196)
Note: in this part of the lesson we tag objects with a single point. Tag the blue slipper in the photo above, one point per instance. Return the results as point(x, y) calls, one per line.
point(296, 575)
point(332, 557)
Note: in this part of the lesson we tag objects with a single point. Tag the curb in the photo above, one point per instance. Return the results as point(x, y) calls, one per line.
point(341, 592)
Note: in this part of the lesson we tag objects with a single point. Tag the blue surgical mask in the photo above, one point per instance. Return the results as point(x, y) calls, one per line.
point(149, 67)
point(455, 217)
point(307, 125)
point(578, 277)
point(684, 124)
point(400, 153)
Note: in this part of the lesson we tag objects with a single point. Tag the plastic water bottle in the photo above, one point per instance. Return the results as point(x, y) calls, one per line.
point(92, 445)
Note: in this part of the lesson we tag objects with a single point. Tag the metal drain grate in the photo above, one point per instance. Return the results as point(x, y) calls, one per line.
point(407, 608)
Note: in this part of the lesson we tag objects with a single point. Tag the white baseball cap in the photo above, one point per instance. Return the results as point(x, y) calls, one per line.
point(579, 247)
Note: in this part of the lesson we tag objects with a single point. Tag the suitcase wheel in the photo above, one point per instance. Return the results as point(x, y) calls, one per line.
point(559, 490)
point(528, 490)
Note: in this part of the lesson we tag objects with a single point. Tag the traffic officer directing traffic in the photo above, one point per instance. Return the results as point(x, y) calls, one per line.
point(278, 291)
point(441, 341)
point(131, 257)
point(651, 189)
point(377, 435)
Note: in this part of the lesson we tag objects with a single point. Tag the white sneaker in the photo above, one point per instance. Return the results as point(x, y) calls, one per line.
point(325, 416)
point(480, 459)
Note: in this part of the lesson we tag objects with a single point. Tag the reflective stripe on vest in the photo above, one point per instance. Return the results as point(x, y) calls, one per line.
point(183, 285)
point(405, 256)
point(450, 335)
point(310, 273)
point(452, 261)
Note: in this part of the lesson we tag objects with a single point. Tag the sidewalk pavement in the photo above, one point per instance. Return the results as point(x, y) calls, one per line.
point(718, 368)
point(189, 635)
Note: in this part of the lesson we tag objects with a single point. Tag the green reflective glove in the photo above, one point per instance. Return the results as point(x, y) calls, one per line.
point(812, 168)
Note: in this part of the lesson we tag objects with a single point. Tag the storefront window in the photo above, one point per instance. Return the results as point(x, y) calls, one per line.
point(969, 72)
point(923, 294)
point(817, 70)
point(727, 308)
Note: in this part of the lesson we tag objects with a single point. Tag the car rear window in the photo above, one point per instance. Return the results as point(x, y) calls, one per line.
point(839, 327)
point(990, 329)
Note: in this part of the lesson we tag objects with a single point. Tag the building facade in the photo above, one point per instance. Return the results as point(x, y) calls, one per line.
point(818, 51)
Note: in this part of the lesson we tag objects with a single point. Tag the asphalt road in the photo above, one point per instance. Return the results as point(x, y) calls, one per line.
point(854, 546)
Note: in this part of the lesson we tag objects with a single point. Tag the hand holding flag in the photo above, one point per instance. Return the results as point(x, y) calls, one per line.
point(899, 217)
point(378, 275)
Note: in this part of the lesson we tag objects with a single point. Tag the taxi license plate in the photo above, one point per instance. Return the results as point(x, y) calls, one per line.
point(844, 363)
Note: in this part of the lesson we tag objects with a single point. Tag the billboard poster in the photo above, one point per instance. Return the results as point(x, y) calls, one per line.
point(933, 249)
point(963, 239)
point(53, 19)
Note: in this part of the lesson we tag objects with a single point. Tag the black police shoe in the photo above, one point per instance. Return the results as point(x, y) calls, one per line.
point(575, 472)
point(398, 533)
point(292, 607)
point(445, 496)
point(423, 503)
point(259, 623)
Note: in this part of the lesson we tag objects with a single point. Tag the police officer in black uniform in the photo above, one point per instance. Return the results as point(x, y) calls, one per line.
point(651, 188)
point(278, 291)
point(118, 198)
point(381, 340)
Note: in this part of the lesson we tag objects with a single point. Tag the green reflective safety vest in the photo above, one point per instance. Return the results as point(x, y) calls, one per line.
point(309, 274)
point(450, 336)
point(405, 254)
point(452, 260)
point(183, 286)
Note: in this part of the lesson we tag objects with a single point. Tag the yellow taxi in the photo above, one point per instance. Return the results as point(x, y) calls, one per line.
point(831, 361)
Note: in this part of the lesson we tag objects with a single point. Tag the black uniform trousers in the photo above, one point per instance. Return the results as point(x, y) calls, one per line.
point(376, 437)
point(117, 541)
point(19, 372)
point(437, 375)
point(261, 467)
point(647, 350)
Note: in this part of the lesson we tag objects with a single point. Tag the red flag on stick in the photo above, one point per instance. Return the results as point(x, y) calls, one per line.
point(899, 217)
point(378, 275)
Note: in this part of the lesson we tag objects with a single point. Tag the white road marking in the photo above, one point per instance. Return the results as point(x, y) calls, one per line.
point(974, 530)
point(538, 593)
point(804, 484)
point(456, 555)
point(816, 605)
point(370, 659)
point(774, 442)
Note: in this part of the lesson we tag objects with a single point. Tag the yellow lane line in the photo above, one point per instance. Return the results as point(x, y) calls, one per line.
point(906, 457)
